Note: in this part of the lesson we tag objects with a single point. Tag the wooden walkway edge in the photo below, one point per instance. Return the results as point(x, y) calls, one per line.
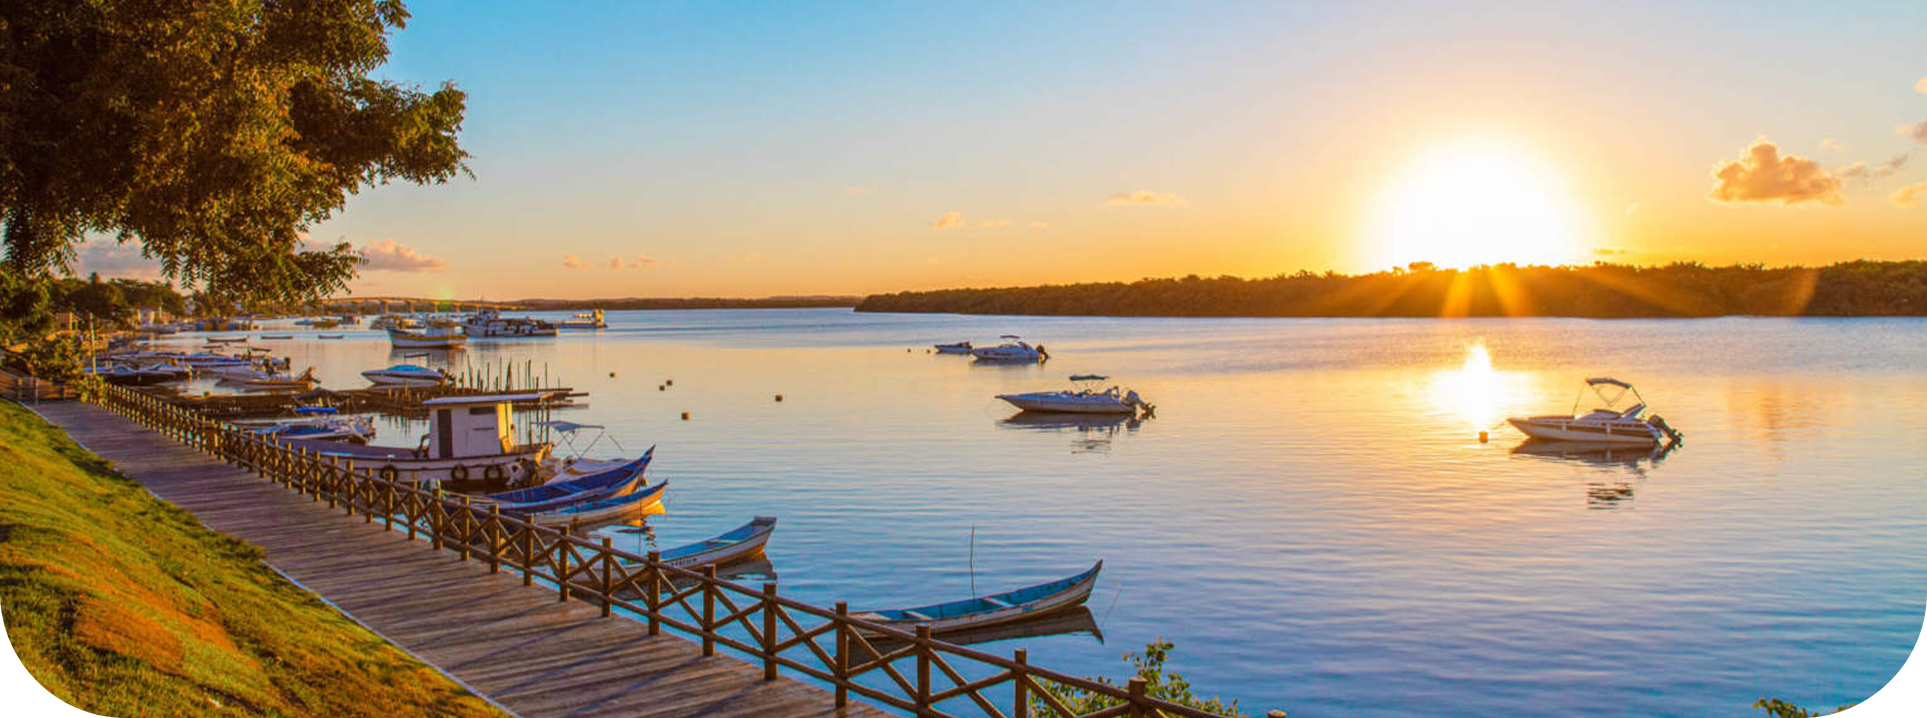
point(516, 645)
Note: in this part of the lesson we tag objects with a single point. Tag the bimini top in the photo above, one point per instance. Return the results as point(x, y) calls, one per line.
point(486, 399)
point(1088, 377)
point(1596, 381)
point(568, 426)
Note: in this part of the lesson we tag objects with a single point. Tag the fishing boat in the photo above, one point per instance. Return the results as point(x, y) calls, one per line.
point(490, 324)
point(1013, 349)
point(277, 337)
point(994, 609)
point(330, 336)
point(614, 508)
point(321, 423)
point(1087, 398)
point(439, 335)
point(957, 348)
point(589, 320)
point(613, 481)
point(737, 544)
point(1605, 424)
point(470, 446)
point(411, 375)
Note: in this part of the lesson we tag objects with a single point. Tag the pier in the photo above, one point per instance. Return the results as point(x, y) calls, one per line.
point(546, 623)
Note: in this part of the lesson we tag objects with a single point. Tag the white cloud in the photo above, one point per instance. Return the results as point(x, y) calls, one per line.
point(949, 220)
point(391, 256)
point(1144, 198)
point(1921, 86)
point(1761, 174)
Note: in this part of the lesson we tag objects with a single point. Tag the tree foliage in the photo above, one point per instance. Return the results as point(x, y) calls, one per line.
point(1157, 684)
point(1781, 709)
point(1686, 289)
point(211, 132)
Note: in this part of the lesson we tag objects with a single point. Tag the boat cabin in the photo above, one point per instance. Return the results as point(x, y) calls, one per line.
point(464, 426)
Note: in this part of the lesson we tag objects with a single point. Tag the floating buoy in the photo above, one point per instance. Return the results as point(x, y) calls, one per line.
point(659, 387)
point(685, 416)
point(1482, 437)
point(779, 397)
point(612, 375)
point(670, 382)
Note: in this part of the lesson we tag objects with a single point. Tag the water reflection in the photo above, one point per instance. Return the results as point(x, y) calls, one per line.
point(1094, 431)
point(1069, 622)
point(1638, 458)
point(1475, 393)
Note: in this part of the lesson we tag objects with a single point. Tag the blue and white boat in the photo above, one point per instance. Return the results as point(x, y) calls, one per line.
point(321, 423)
point(405, 375)
point(614, 508)
point(738, 544)
point(613, 482)
point(997, 608)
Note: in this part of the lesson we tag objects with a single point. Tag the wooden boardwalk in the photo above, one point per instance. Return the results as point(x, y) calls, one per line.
point(517, 645)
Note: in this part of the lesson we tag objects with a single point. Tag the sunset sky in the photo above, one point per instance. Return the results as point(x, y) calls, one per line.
point(735, 149)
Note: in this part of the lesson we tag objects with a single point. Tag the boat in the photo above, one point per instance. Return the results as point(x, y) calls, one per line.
point(227, 340)
point(277, 337)
point(614, 508)
point(321, 423)
point(1597, 453)
point(433, 336)
point(330, 336)
point(1605, 424)
point(470, 446)
point(413, 375)
point(614, 480)
point(1013, 349)
point(269, 381)
point(994, 609)
point(957, 348)
point(589, 320)
point(122, 375)
point(490, 324)
point(577, 464)
point(737, 544)
point(1087, 399)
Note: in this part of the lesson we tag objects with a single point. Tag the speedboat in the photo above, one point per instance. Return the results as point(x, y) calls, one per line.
point(257, 380)
point(1087, 399)
point(410, 375)
point(321, 423)
point(957, 348)
point(1606, 424)
point(1012, 350)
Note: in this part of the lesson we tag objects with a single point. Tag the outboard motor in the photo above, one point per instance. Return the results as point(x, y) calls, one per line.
point(1658, 422)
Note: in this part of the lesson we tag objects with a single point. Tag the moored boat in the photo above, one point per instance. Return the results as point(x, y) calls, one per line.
point(1606, 424)
point(490, 324)
point(433, 336)
point(993, 609)
point(321, 423)
point(1013, 349)
point(957, 348)
point(411, 375)
point(589, 320)
point(614, 508)
point(470, 446)
point(738, 544)
point(612, 481)
point(1087, 399)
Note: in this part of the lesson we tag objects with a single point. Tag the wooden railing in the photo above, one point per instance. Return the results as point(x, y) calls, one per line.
point(906, 670)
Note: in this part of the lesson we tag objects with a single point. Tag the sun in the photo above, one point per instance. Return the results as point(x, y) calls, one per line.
point(1475, 203)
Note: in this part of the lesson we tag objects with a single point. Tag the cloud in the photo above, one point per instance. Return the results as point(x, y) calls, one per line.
point(949, 220)
point(1891, 166)
point(993, 224)
point(1857, 170)
point(1921, 86)
point(1918, 132)
point(1909, 195)
point(113, 259)
point(1144, 197)
point(390, 256)
point(641, 261)
point(857, 190)
point(1833, 144)
point(1762, 175)
point(1610, 251)
point(1039, 225)
point(572, 262)
point(615, 262)
point(644, 260)
point(1860, 170)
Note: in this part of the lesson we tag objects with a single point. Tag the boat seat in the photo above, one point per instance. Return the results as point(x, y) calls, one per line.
point(918, 616)
point(996, 602)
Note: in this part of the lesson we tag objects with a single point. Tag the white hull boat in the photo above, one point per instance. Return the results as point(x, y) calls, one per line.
point(957, 348)
point(406, 375)
point(428, 338)
point(1013, 350)
point(1086, 400)
point(492, 325)
point(1604, 425)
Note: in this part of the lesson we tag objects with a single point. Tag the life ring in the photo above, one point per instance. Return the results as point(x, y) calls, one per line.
point(459, 473)
point(493, 472)
point(388, 473)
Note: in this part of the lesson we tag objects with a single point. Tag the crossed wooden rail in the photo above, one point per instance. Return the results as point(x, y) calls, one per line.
point(780, 632)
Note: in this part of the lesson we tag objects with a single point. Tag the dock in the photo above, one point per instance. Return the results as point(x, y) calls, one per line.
point(514, 644)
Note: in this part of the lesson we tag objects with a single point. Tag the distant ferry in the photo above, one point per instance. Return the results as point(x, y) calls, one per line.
point(590, 320)
point(489, 323)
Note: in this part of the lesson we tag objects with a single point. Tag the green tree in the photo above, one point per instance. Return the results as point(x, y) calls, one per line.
point(101, 300)
point(212, 132)
point(1158, 684)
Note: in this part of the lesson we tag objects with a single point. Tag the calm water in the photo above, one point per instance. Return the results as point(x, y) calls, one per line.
point(1310, 516)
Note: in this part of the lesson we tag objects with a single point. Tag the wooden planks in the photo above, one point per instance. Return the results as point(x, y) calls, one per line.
point(517, 645)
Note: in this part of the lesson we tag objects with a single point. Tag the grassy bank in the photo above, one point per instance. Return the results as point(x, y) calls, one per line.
point(121, 604)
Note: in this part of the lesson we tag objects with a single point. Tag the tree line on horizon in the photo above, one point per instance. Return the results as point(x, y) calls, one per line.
point(1603, 290)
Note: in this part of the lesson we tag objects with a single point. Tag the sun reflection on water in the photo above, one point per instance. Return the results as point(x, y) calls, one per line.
point(1475, 392)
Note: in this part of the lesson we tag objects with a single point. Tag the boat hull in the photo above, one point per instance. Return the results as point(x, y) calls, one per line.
point(1051, 405)
point(512, 467)
point(380, 378)
point(1071, 596)
point(1567, 429)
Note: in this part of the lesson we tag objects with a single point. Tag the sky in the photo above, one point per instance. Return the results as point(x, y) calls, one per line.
point(766, 149)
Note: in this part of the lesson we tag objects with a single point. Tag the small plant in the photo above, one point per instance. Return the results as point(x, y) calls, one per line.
point(1782, 709)
point(1158, 684)
point(89, 388)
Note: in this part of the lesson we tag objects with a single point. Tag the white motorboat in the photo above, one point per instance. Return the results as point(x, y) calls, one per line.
point(589, 320)
point(1606, 424)
point(1013, 349)
point(321, 423)
point(957, 348)
point(408, 375)
point(438, 335)
point(490, 323)
point(1086, 399)
point(470, 445)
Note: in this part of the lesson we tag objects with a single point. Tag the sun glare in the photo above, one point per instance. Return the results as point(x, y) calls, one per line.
point(1478, 203)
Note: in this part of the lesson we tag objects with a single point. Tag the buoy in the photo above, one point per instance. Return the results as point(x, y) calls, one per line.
point(685, 416)
point(670, 382)
point(612, 375)
point(659, 387)
point(779, 397)
point(1482, 437)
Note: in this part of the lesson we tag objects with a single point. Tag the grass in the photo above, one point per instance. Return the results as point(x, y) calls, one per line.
point(123, 605)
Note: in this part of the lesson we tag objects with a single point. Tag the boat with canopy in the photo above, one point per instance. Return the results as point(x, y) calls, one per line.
point(1014, 349)
point(1087, 398)
point(1605, 424)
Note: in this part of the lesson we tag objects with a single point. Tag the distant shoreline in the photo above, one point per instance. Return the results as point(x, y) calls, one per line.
point(689, 303)
point(1600, 291)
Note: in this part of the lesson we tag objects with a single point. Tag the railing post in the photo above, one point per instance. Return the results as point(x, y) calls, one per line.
point(562, 550)
point(338, 480)
point(1020, 704)
point(467, 522)
point(769, 630)
point(608, 576)
point(923, 668)
point(494, 534)
point(842, 669)
point(709, 609)
point(1136, 688)
point(652, 592)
